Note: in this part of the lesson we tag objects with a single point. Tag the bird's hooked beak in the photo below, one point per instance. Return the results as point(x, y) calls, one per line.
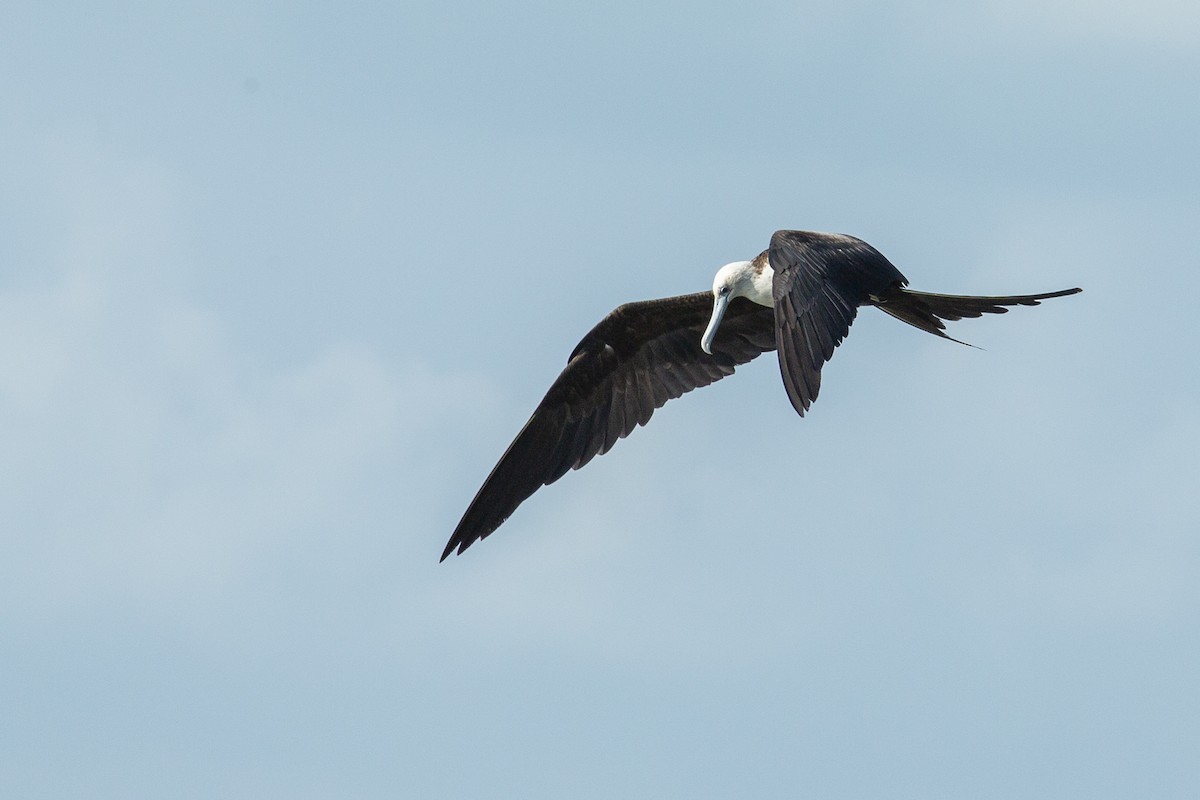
point(720, 303)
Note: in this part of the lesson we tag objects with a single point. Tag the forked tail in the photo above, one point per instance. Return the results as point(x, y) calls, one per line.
point(926, 311)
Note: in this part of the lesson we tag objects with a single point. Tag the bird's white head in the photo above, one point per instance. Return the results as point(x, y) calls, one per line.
point(739, 279)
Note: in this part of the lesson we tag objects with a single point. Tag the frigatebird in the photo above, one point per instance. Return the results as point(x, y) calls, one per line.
point(797, 297)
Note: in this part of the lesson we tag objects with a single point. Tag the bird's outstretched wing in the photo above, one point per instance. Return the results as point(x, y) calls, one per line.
point(926, 311)
point(820, 281)
point(635, 360)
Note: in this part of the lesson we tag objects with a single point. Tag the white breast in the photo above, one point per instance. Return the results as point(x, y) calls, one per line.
point(760, 286)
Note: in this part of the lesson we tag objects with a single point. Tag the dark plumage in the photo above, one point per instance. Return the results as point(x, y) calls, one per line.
point(644, 354)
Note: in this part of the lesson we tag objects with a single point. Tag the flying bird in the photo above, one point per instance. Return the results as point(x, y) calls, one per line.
point(798, 297)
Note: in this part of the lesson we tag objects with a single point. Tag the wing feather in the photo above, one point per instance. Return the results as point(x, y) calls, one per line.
point(820, 281)
point(634, 361)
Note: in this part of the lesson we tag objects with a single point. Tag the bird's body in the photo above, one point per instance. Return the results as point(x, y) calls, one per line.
point(799, 297)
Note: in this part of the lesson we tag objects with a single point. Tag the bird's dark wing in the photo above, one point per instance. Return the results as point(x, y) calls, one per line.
point(635, 360)
point(926, 311)
point(820, 281)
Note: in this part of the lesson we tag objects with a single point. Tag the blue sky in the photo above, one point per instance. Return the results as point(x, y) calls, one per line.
point(279, 282)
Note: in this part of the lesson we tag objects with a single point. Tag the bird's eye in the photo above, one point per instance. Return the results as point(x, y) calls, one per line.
point(724, 290)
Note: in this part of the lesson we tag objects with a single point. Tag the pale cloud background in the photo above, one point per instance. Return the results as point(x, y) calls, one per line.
point(279, 283)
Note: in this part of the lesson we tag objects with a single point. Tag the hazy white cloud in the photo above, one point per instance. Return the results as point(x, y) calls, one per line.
point(1170, 23)
point(152, 458)
point(1173, 24)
